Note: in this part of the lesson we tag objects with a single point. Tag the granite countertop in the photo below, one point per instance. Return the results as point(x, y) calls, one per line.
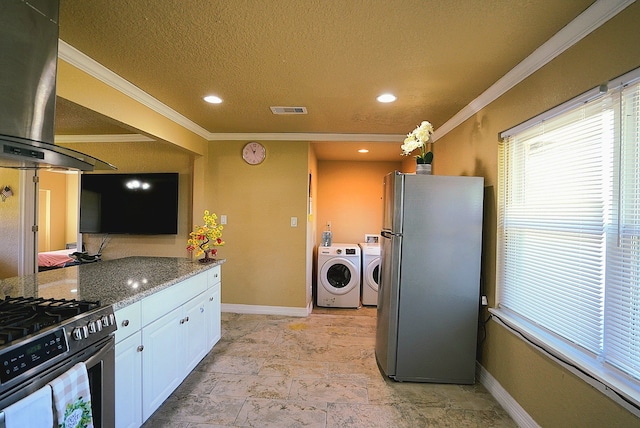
point(118, 282)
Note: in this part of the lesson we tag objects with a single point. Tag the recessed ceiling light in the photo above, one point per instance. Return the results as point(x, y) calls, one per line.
point(386, 98)
point(212, 99)
point(363, 151)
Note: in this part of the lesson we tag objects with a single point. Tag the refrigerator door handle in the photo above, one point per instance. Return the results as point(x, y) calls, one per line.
point(387, 234)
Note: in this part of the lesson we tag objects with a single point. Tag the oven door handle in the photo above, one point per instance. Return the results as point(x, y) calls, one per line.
point(105, 349)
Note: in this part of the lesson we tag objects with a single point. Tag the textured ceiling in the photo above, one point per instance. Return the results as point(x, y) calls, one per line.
point(332, 56)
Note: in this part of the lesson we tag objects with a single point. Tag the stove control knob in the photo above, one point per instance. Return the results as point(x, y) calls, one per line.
point(339, 251)
point(80, 333)
point(92, 327)
point(105, 321)
point(112, 319)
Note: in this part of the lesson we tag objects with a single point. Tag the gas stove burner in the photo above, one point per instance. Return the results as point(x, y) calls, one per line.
point(20, 316)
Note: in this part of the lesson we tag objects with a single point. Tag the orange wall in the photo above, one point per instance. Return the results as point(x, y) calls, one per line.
point(56, 183)
point(350, 196)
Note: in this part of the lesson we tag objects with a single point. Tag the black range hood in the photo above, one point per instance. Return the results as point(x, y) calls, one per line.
point(28, 66)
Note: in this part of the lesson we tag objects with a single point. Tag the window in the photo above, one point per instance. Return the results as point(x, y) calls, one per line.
point(569, 235)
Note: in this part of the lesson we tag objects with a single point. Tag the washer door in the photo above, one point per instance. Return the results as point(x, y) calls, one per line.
point(372, 274)
point(339, 275)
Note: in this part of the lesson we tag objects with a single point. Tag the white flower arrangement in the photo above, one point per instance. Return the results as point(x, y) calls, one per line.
point(418, 138)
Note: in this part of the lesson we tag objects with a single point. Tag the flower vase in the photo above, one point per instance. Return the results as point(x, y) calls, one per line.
point(423, 168)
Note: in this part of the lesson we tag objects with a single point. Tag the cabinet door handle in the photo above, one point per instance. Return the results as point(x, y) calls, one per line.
point(140, 348)
point(182, 321)
point(186, 319)
point(211, 299)
point(125, 323)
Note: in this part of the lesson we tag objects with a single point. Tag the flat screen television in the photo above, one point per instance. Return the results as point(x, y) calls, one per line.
point(134, 204)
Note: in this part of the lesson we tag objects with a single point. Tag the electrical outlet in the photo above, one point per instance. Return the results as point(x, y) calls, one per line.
point(484, 301)
point(223, 219)
point(294, 221)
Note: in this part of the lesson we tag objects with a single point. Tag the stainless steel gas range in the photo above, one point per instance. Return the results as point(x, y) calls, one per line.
point(41, 339)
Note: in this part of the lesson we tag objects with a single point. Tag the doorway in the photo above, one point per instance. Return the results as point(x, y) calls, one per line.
point(58, 208)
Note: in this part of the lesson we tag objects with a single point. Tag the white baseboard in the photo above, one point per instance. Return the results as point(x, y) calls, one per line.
point(266, 310)
point(517, 413)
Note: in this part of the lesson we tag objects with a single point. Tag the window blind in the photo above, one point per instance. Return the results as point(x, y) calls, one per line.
point(569, 227)
point(553, 223)
point(622, 297)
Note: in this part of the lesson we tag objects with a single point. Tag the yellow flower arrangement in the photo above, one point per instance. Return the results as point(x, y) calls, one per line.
point(204, 238)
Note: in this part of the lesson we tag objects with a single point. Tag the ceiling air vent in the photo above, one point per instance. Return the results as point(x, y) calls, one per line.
point(289, 110)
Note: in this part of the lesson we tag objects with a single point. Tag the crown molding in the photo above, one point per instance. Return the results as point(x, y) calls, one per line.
point(307, 136)
point(134, 138)
point(102, 138)
point(83, 62)
point(585, 23)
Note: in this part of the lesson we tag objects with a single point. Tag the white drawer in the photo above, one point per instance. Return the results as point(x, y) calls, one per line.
point(163, 302)
point(214, 275)
point(128, 320)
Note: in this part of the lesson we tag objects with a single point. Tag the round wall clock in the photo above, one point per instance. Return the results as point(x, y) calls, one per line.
point(254, 153)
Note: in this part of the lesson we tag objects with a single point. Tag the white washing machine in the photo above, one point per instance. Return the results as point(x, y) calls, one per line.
point(339, 276)
point(370, 272)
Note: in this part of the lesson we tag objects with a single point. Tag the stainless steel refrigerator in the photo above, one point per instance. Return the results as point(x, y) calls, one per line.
point(429, 290)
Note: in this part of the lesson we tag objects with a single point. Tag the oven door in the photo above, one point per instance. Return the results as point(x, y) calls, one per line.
point(100, 361)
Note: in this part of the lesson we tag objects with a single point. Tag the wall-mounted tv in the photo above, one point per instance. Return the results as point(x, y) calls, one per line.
point(135, 204)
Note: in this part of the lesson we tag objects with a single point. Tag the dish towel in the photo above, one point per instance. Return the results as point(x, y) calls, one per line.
point(33, 411)
point(72, 398)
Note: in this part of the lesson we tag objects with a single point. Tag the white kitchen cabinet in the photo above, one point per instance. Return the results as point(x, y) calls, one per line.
point(213, 307)
point(128, 321)
point(194, 332)
point(214, 276)
point(128, 367)
point(162, 360)
point(213, 316)
point(160, 303)
point(174, 329)
point(128, 361)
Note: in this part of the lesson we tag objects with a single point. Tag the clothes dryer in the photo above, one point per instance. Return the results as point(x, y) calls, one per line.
point(339, 276)
point(370, 272)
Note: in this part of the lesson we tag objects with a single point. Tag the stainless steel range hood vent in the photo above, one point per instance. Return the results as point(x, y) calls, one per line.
point(28, 64)
point(35, 155)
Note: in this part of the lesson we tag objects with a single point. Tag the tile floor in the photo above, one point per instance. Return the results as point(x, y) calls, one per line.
point(319, 371)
